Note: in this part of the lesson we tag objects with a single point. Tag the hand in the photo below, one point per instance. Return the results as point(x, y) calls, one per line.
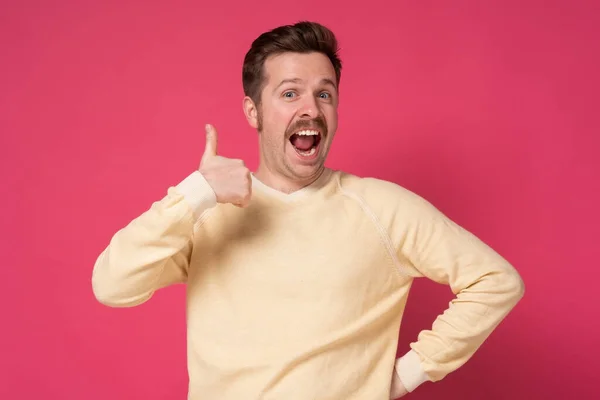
point(229, 178)
point(398, 390)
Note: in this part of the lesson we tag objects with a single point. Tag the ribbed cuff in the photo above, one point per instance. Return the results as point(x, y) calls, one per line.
point(197, 192)
point(410, 371)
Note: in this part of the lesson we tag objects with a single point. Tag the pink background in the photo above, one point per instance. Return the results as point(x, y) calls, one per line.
point(488, 109)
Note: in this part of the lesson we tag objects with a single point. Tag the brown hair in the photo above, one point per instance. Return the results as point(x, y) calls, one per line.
point(302, 37)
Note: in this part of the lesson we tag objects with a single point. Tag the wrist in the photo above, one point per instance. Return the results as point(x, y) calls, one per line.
point(409, 369)
point(197, 192)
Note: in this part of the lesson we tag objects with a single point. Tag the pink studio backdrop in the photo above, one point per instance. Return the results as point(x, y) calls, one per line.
point(488, 109)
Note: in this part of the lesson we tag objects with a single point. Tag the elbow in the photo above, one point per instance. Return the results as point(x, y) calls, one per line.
point(110, 296)
point(519, 289)
point(111, 292)
point(104, 297)
point(104, 292)
point(514, 286)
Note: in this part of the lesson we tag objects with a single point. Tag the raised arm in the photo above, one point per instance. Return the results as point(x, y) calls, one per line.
point(153, 251)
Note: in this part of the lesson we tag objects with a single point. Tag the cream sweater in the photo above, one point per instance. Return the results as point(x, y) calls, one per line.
point(300, 296)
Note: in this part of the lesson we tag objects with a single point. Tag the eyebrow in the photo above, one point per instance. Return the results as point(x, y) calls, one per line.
point(324, 81)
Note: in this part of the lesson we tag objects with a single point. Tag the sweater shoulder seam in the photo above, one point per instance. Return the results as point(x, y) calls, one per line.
point(384, 237)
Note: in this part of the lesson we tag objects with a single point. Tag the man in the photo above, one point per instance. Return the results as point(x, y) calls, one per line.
point(297, 274)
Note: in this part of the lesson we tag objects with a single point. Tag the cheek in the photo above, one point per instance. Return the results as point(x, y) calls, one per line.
point(276, 116)
point(332, 118)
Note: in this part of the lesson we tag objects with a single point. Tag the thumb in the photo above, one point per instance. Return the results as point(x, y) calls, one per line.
point(211, 142)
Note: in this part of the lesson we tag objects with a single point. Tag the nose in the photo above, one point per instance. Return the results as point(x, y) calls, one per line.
point(309, 108)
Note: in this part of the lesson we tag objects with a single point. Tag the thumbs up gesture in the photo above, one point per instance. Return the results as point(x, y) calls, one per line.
point(229, 178)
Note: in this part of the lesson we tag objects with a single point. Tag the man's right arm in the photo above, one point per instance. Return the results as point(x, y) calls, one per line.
point(152, 251)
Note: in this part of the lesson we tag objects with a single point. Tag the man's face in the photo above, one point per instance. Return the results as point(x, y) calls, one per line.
point(297, 116)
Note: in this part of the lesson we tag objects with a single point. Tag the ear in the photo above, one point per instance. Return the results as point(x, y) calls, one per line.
point(251, 112)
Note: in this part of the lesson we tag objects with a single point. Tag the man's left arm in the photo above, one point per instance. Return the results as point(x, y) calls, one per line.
point(486, 286)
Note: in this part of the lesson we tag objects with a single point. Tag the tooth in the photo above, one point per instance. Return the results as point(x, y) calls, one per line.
point(308, 133)
point(309, 152)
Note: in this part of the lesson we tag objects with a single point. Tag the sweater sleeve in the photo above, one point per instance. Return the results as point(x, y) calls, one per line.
point(152, 251)
point(485, 285)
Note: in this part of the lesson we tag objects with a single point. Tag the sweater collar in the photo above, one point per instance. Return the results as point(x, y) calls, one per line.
point(314, 187)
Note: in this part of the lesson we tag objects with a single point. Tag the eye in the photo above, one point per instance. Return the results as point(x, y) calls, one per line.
point(289, 94)
point(324, 95)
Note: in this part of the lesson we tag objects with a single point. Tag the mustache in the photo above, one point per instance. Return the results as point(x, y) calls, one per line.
point(317, 123)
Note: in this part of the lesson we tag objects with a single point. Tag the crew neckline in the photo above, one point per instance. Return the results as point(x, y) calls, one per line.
point(314, 187)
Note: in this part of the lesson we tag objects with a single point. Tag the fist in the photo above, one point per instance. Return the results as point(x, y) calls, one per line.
point(229, 178)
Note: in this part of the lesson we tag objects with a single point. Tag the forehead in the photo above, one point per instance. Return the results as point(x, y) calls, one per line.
point(306, 68)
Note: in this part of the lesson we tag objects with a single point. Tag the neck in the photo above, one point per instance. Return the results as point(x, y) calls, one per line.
point(284, 183)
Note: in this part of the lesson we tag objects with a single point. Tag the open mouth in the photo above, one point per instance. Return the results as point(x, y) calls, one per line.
point(306, 142)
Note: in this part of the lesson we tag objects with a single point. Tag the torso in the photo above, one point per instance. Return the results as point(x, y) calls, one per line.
point(288, 292)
